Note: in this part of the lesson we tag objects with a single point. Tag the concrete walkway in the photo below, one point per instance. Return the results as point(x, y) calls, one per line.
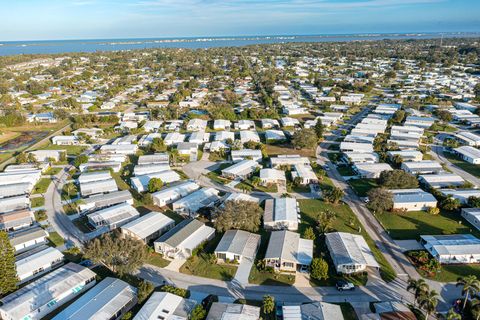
point(176, 264)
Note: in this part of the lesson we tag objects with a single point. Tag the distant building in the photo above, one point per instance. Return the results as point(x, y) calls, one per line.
point(453, 248)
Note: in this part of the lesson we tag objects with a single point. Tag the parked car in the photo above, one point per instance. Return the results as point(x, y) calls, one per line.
point(343, 285)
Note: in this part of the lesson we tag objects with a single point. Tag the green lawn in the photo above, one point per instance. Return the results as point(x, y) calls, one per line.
point(37, 202)
point(42, 185)
point(450, 273)
point(362, 186)
point(473, 169)
point(53, 171)
point(70, 209)
point(121, 184)
point(346, 171)
point(258, 276)
point(411, 225)
point(55, 239)
point(200, 265)
point(40, 215)
point(345, 221)
point(71, 150)
point(157, 260)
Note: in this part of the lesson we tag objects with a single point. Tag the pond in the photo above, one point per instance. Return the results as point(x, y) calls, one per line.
point(25, 139)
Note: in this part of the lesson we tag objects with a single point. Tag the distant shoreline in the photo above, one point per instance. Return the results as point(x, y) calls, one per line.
point(93, 45)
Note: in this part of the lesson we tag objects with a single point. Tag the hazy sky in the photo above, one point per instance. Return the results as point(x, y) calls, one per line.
point(84, 19)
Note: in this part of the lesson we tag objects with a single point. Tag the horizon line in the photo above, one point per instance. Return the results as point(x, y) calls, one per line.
point(258, 35)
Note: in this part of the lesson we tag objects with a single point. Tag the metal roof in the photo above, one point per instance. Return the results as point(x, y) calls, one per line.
point(33, 262)
point(231, 311)
point(180, 232)
point(287, 245)
point(101, 302)
point(411, 196)
point(164, 305)
point(347, 248)
point(40, 292)
point(148, 224)
point(27, 235)
point(238, 242)
point(114, 214)
point(453, 244)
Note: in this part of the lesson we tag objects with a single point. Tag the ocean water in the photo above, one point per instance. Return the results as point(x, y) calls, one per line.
point(63, 46)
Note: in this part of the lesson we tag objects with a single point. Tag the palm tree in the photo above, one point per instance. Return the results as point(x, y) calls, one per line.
point(70, 188)
point(428, 301)
point(475, 307)
point(471, 285)
point(268, 304)
point(452, 315)
point(418, 287)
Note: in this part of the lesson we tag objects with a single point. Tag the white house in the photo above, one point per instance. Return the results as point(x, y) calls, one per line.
point(114, 216)
point(286, 251)
point(221, 124)
point(442, 180)
point(453, 248)
point(371, 170)
point(148, 227)
point(350, 252)
point(174, 138)
point(197, 125)
point(28, 239)
point(461, 194)
point(469, 154)
point(164, 305)
point(412, 199)
point(36, 262)
point(272, 176)
point(172, 193)
point(181, 240)
point(305, 174)
point(189, 205)
point(472, 215)
point(65, 140)
point(244, 154)
point(422, 167)
point(281, 213)
point(236, 245)
point(47, 293)
point(274, 135)
point(140, 183)
point(242, 169)
point(249, 135)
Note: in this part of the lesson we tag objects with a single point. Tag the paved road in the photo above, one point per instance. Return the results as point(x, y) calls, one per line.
point(437, 153)
point(56, 216)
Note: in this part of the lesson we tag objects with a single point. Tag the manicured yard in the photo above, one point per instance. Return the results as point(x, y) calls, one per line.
point(71, 150)
point(42, 185)
point(450, 273)
point(202, 265)
point(37, 202)
point(473, 169)
point(55, 239)
point(411, 225)
point(345, 221)
point(362, 186)
point(157, 260)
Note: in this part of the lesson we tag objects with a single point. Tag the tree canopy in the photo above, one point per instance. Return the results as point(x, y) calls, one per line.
point(397, 179)
point(380, 200)
point(241, 214)
point(304, 138)
point(8, 271)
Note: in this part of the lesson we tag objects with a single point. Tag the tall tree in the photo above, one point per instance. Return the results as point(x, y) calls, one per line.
point(243, 215)
point(397, 179)
point(333, 195)
point(304, 138)
point(319, 129)
point(380, 200)
point(8, 271)
point(418, 286)
point(470, 287)
point(155, 184)
point(428, 301)
point(268, 304)
point(122, 255)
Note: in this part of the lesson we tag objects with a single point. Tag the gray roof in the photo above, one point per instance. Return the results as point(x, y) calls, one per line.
point(180, 232)
point(287, 245)
point(166, 305)
point(232, 311)
point(107, 199)
point(101, 302)
point(238, 242)
point(27, 235)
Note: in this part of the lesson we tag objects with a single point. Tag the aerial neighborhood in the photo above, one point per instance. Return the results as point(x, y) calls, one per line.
point(259, 182)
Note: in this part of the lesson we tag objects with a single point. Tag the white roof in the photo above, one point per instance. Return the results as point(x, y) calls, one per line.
point(39, 259)
point(272, 174)
point(101, 302)
point(148, 224)
point(241, 167)
point(40, 292)
point(141, 182)
point(468, 151)
point(453, 244)
point(115, 214)
point(347, 248)
point(94, 176)
point(177, 191)
point(164, 305)
point(241, 197)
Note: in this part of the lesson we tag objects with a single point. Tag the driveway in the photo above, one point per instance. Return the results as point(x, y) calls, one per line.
point(243, 271)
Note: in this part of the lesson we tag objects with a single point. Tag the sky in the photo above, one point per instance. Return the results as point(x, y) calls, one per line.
point(106, 19)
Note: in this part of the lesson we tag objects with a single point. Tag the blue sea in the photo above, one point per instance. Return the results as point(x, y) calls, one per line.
point(63, 46)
